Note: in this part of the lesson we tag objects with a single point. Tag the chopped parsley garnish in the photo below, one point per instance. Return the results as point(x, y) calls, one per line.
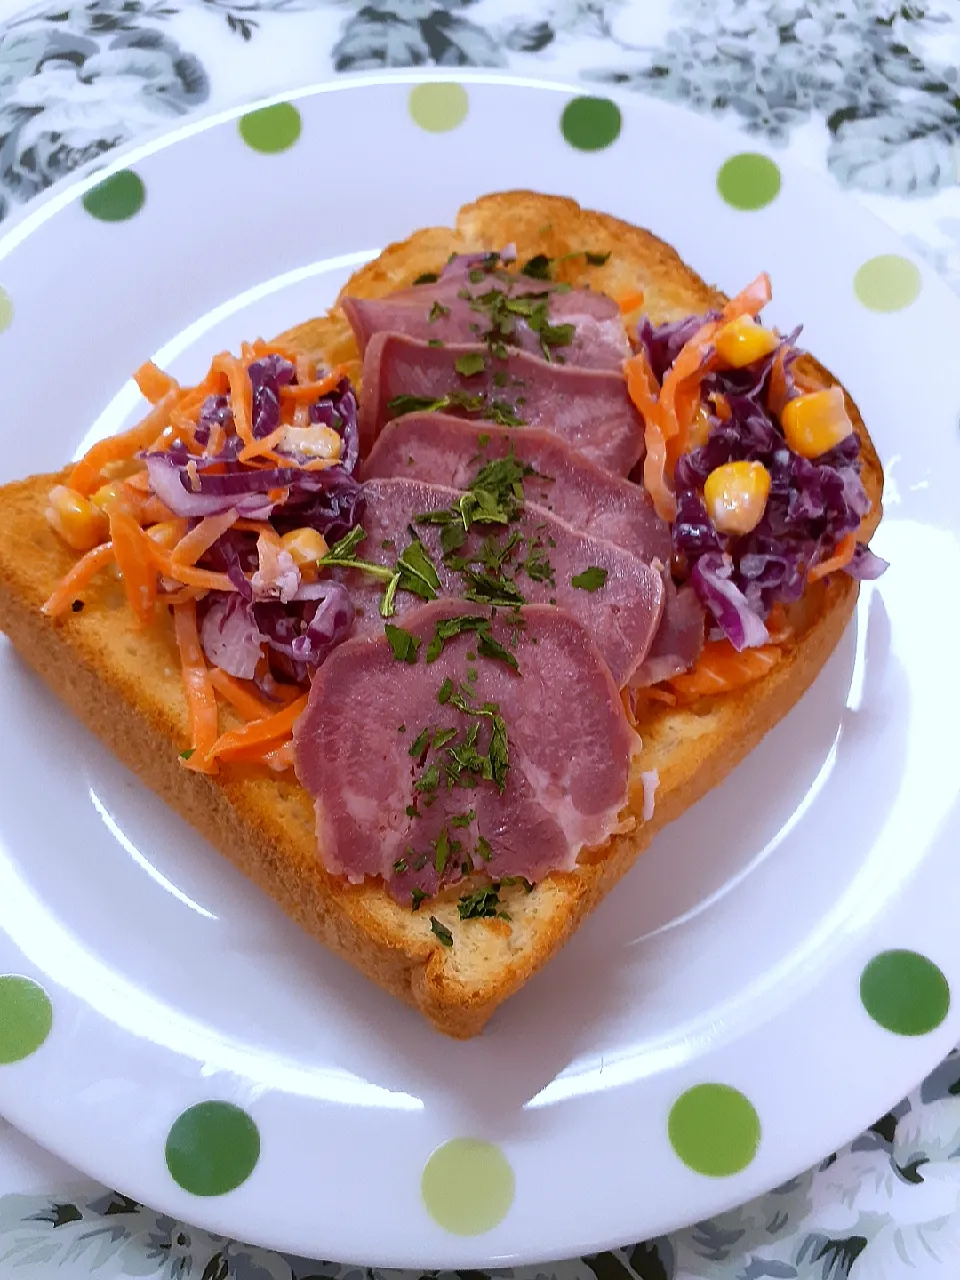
point(470, 364)
point(400, 866)
point(463, 819)
point(441, 850)
point(417, 571)
point(538, 267)
point(341, 555)
point(538, 567)
point(416, 897)
point(185, 755)
point(483, 903)
point(447, 628)
point(494, 410)
point(419, 745)
point(507, 881)
point(441, 931)
point(445, 692)
point(403, 644)
point(442, 737)
point(428, 277)
point(414, 572)
point(484, 849)
point(435, 342)
point(591, 579)
point(491, 648)
point(437, 311)
point(429, 779)
point(598, 259)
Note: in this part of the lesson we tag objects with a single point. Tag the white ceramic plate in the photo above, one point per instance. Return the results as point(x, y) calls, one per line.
point(732, 954)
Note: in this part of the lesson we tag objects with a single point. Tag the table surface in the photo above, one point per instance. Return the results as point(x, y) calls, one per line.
point(866, 91)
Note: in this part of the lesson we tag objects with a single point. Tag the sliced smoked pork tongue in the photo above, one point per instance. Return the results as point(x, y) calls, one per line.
point(619, 602)
point(678, 642)
point(441, 312)
point(588, 409)
point(382, 752)
point(441, 449)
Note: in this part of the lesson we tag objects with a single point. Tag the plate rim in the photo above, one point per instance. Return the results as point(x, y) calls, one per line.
point(71, 188)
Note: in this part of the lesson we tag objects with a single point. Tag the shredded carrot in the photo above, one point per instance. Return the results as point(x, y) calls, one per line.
point(839, 560)
point(201, 699)
point(642, 390)
point(778, 624)
point(680, 395)
point(241, 393)
point(154, 384)
point(183, 596)
point(280, 758)
point(669, 415)
point(242, 698)
point(630, 302)
point(721, 668)
point(85, 476)
point(722, 407)
point(153, 511)
point(189, 575)
point(311, 391)
point(132, 549)
point(200, 539)
point(82, 573)
point(256, 739)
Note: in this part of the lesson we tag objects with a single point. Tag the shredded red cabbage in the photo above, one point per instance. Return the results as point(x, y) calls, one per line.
point(236, 629)
point(813, 504)
point(267, 376)
point(230, 636)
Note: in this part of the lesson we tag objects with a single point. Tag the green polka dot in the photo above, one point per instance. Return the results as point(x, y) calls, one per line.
point(888, 282)
point(26, 1016)
point(6, 310)
point(714, 1129)
point(748, 181)
point(467, 1186)
point(438, 108)
point(117, 198)
point(590, 124)
point(212, 1148)
point(271, 129)
point(905, 992)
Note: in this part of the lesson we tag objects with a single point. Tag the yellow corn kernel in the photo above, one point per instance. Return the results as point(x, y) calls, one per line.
point(166, 533)
point(78, 522)
point(305, 546)
point(742, 341)
point(699, 428)
point(736, 496)
point(815, 422)
point(110, 494)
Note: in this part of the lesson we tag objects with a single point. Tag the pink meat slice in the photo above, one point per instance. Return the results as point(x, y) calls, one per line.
point(441, 449)
point(438, 311)
point(622, 615)
point(568, 752)
point(587, 408)
point(679, 640)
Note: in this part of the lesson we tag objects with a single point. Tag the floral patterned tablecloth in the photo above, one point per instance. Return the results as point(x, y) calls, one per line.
point(867, 91)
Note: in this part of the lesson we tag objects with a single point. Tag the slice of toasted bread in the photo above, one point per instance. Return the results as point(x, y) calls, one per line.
point(124, 682)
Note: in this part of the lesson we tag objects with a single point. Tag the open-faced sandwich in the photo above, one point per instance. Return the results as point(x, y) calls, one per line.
point(433, 611)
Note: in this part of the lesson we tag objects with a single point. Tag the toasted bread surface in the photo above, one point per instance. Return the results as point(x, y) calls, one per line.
point(124, 681)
